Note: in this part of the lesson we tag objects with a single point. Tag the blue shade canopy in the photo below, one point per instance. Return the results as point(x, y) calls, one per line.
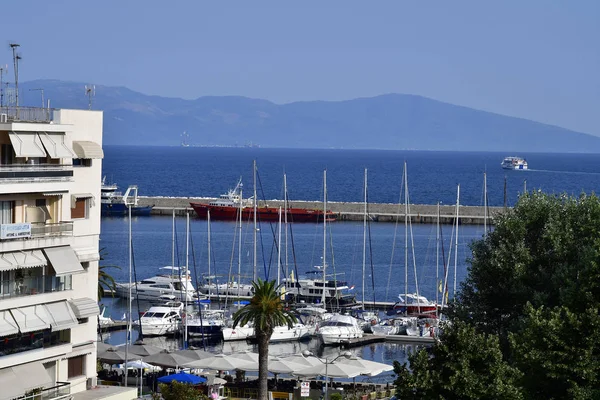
point(182, 377)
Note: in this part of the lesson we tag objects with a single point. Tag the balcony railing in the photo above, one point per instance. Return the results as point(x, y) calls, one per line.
point(36, 172)
point(48, 230)
point(35, 285)
point(43, 339)
point(26, 114)
point(62, 390)
point(35, 230)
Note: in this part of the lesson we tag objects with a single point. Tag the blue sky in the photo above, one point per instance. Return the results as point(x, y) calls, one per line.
point(537, 59)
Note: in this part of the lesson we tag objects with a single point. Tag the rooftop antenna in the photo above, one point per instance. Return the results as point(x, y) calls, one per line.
point(3, 69)
point(90, 91)
point(42, 91)
point(16, 58)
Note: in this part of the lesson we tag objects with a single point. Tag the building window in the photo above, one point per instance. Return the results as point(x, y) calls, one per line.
point(6, 212)
point(82, 162)
point(80, 209)
point(76, 367)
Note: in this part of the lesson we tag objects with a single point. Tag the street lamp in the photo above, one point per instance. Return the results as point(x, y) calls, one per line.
point(307, 353)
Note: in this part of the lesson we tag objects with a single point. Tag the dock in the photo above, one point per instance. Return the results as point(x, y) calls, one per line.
point(347, 211)
point(369, 338)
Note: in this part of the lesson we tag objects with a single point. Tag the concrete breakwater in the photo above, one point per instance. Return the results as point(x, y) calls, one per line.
point(418, 213)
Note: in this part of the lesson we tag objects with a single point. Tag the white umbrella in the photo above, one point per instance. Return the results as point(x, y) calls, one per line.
point(138, 364)
point(167, 359)
point(221, 362)
point(214, 380)
point(302, 360)
point(370, 368)
point(245, 356)
point(194, 354)
point(279, 365)
point(333, 370)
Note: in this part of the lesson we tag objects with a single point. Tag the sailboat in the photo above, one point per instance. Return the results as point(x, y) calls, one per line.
point(411, 303)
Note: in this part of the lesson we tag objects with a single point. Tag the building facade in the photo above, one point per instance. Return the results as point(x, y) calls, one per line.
point(50, 174)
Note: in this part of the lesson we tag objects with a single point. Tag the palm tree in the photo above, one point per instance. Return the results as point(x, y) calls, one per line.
point(105, 280)
point(265, 311)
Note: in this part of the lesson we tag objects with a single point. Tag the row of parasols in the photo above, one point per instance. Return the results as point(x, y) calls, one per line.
point(296, 365)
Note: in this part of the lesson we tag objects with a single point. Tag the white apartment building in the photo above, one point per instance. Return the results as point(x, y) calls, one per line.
point(50, 174)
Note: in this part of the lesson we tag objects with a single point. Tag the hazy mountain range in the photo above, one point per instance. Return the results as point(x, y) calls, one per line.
point(390, 121)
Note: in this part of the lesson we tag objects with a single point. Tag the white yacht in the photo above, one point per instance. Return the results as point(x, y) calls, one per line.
point(169, 284)
point(309, 289)
point(298, 331)
point(161, 320)
point(339, 329)
point(208, 324)
point(514, 163)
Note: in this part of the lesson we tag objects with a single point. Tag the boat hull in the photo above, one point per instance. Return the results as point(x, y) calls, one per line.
point(120, 210)
point(339, 335)
point(239, 333)
point(263, 213)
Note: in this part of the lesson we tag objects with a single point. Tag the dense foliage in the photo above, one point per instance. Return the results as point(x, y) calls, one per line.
point(525, 323)
point(265, 311)
point(179, 391)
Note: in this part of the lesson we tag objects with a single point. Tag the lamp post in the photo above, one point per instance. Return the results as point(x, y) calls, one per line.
point(307, 353)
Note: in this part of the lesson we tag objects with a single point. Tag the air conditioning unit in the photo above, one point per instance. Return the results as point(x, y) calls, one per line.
point(91, 383)
point(3, 118)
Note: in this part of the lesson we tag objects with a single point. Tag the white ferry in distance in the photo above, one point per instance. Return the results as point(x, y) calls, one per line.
point(514, 163)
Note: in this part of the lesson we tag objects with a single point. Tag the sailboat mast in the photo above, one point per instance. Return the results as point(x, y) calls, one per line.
point(128, 338)
point(239, 274)
point(456, 238)
point(254, 264)
point(364, 265)
point(485, 217)
point(437, 260)
point(279, 250)
point(208, 236)
point(285, 200)
point(173, 254)
point(405, 238)
point(324, 237)
point(187, 257)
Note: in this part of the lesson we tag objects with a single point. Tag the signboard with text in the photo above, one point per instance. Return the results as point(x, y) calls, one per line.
point(15, 231)
point(304, 389)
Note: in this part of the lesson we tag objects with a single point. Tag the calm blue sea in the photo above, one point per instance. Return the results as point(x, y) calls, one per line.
point(432, 177)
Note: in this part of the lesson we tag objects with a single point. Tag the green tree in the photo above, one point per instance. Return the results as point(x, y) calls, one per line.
point(179, 391)
point(529, 308)
point(105, 280)
point(557, 351)
point(464, 365)
point(265, 311)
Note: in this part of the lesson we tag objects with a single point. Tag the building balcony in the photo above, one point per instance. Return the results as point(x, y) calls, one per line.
point(15, 173)
point(32, 285)
point(26, 114)
point(62, 390)
point(37, 230)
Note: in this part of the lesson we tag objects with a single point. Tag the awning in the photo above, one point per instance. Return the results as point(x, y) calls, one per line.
point(22, 259)
point(27, 144)
point(87, 149)
point(84, 307)
point(32, 376)
point(61, 316)
point(74, 197)
point(8, 326)
point(63, 260)
point(53, 194)
point(82, 350)
point(55, 145)
point(32, 318)
point(10, 384)
point(87, 254)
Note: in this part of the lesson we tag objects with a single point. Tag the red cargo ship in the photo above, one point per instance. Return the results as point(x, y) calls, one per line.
point(227, 207)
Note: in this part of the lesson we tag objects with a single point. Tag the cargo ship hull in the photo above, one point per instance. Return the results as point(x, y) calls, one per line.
point(226, 213)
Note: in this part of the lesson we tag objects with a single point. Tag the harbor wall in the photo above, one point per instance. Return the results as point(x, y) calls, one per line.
point(348, 211)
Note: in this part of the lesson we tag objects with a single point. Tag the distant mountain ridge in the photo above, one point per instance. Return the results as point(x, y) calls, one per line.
point(390, 121)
